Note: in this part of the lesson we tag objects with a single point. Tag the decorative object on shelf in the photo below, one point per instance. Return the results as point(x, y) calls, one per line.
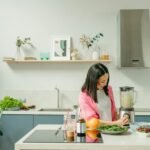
point(104, 55)
point(60, 48)
point(87, 53)
point(30, 58)
point(8, 58)
point(87, 41)
point(92, 46)
point(95, 55)
point(21, 42)
point(44, 55)
point(74, 54)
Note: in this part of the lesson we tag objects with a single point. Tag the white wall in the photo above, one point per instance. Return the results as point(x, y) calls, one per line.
point(40, 19)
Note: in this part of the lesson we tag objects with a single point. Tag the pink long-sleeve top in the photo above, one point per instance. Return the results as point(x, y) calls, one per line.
point(89, 109)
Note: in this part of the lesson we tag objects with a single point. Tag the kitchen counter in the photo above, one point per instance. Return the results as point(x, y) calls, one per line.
point(35, 112)
point(129, 141)
point(138, 111)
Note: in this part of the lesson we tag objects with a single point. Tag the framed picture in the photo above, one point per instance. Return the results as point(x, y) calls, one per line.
point(60, 48)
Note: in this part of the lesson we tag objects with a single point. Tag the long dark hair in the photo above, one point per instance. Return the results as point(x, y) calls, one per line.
point(93, 75)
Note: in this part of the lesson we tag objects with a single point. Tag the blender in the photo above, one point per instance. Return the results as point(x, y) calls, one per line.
point(127, 97)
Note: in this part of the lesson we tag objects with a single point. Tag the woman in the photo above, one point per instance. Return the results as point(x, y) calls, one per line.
point(96, 98)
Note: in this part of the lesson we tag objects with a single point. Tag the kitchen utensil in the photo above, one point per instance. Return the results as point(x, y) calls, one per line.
point(127, 100)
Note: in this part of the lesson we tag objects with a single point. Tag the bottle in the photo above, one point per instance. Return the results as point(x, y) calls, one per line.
point(68, 128)
point(81, 139)
point(81, 127)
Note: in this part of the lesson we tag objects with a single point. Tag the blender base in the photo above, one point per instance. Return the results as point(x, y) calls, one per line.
point(128, 112)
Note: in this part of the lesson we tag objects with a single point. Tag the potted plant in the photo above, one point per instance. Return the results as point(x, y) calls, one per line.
point(21, 42)
point(92, 42)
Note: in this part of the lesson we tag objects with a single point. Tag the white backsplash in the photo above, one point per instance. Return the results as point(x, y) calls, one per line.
point(45, 99)
point(69, 98)
point(42, 99)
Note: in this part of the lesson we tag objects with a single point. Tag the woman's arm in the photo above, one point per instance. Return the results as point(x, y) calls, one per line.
point(87, 107)
point(116, 115)
point(113, 106)
point(121, 122)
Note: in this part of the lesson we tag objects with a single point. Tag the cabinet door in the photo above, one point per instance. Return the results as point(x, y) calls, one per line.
point(14, 127)
point(48, 119)
point(142, 118)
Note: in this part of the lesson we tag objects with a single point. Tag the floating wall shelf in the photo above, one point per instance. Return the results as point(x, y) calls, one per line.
point(56, 61)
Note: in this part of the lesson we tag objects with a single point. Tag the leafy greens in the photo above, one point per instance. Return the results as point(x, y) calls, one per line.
point(9, 102)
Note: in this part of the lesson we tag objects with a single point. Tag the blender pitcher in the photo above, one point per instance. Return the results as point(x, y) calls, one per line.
point(127, 97)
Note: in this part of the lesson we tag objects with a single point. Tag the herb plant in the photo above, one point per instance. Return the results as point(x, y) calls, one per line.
point(21, 42)
point(9, 102)
point(88, 42)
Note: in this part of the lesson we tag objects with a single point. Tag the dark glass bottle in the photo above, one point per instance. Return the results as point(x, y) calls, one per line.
point(81, 139)
point(81, 127)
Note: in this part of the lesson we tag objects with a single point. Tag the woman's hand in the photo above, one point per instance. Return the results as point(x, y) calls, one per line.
point(122, 121)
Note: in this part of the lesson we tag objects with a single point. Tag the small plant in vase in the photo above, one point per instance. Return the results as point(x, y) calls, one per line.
point(92, 42)
point(21, 42)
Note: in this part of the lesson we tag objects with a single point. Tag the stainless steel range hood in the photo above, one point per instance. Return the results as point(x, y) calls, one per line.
point(134, 38)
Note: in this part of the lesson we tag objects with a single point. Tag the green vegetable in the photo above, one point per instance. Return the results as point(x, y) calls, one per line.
point(112, 128)
point(9, 102)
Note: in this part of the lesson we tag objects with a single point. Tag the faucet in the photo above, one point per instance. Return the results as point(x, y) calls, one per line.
point(76, 109)
point(58, 98)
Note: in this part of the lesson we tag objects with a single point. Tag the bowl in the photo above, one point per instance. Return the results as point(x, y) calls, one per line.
point(143, 134)
point(143, 131)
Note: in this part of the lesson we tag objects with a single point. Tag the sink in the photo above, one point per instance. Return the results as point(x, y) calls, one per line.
point(55, 109)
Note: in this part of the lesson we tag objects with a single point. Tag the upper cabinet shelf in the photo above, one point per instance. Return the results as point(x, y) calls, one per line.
point(56, 61)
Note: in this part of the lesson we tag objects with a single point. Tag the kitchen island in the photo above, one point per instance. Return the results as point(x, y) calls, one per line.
point(128, 141)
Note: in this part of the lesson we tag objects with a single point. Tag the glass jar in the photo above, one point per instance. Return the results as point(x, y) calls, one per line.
point(104, 55)
point(69, 127)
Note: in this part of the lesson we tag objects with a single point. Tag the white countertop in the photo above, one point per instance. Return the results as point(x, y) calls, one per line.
point(129, 141)
point(35, 112)
point(138, 111)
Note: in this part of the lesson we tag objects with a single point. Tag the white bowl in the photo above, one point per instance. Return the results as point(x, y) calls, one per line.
point(143, 134)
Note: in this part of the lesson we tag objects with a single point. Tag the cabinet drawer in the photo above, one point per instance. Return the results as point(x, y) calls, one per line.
point(48, 119)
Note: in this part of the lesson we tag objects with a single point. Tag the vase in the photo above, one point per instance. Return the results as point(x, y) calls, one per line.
point(95, 55)
point(87, 54)
point(18, 54)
